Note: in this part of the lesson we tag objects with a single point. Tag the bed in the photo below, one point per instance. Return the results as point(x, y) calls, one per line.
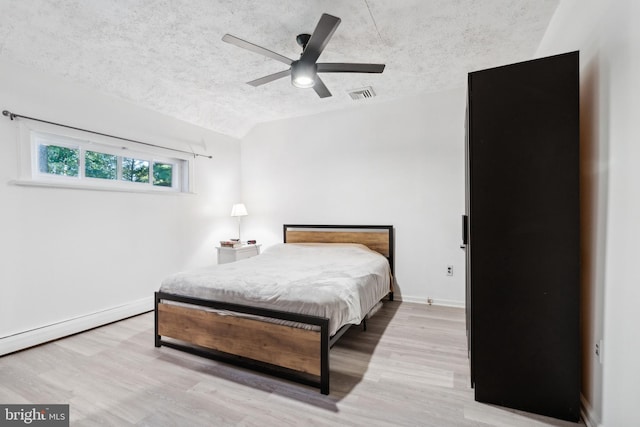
point(282, 311)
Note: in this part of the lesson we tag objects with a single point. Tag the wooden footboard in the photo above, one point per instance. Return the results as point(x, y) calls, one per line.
point(280, 345)
point(243, 340)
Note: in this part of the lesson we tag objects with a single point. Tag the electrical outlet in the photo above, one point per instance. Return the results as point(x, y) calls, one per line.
point(449, 270)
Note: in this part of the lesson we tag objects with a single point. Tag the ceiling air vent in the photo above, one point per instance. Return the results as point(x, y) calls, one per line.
point(362, 93)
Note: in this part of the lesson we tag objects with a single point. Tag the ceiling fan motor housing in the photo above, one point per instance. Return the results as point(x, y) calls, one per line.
point(303, 73)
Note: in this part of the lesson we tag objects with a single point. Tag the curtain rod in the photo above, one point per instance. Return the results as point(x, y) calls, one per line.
point(13, 116)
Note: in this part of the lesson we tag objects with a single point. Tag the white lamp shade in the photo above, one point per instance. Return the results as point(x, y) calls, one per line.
point(239, 210)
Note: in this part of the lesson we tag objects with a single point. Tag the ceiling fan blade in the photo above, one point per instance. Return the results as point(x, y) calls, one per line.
point(339, 67)
point(320, 37)
point(321, 89)
point(270, 78)
point(255, 48)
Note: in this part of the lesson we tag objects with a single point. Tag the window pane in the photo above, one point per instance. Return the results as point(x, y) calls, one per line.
point(100, 165)
point(58, 160)
point(135, 170)
point(162, 174)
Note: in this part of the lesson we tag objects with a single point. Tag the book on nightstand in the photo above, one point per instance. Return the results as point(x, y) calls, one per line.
point(230, 244)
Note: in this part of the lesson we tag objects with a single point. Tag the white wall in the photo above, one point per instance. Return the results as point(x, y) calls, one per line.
point(608, 37)
point(398, 163)
point(91, 255)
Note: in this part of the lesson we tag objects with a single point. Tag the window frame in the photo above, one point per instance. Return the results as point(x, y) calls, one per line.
point(31, 137)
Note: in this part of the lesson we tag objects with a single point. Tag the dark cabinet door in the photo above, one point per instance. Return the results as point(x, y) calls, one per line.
point(523, 148)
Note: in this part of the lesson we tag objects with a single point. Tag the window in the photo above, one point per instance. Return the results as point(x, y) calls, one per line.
point(135, 170)
point(58, 160)
point(66, 160)
point(100, 165)
point(162, 174)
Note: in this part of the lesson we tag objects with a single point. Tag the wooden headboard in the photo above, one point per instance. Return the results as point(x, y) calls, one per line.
point(376, 237)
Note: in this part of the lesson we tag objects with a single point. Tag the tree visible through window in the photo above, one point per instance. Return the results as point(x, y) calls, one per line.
point(100, 165)
point(135, 170)
point(58, 160)
point(94, 164)
point(162, 174)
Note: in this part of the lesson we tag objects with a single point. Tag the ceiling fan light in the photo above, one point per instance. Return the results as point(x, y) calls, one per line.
point(303, 81)
point(303, 75)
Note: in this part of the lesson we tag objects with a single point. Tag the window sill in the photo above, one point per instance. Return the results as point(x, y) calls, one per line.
point(71, 186)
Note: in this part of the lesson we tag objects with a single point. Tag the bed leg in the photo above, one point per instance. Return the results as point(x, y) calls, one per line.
point(364, 325)
point(324, 357)
point(390, 296)
point(324, 388)
point(155, 317)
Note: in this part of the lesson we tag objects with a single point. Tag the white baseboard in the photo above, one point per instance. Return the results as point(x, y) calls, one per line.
point(589, 416)
point(72, 326)
point(434, 301)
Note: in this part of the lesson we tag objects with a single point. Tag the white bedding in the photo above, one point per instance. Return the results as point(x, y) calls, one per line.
point(342, 282)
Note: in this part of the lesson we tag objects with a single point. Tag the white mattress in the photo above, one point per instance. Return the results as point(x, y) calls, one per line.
point(342, 282)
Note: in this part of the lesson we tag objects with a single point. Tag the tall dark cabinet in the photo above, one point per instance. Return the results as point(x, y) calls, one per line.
point(521, 231)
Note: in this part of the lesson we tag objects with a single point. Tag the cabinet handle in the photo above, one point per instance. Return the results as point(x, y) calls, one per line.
point(465, 230)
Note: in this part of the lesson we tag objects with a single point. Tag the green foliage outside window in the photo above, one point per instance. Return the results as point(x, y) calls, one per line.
point(135, 170)
point(162, 174)
point(58, 160)
point(64, 161)
point(100, 165)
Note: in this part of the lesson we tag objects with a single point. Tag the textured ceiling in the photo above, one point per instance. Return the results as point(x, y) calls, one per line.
point(167, 55)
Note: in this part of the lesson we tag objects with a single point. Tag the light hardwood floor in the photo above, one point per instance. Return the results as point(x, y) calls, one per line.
point(410, 368)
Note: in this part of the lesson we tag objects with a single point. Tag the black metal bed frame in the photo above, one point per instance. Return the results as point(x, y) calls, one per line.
point(326, 341)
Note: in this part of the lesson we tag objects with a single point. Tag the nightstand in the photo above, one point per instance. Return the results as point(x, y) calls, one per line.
point(226, 255)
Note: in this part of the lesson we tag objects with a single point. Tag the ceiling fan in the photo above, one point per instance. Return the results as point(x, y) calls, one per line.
point(304, 71)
